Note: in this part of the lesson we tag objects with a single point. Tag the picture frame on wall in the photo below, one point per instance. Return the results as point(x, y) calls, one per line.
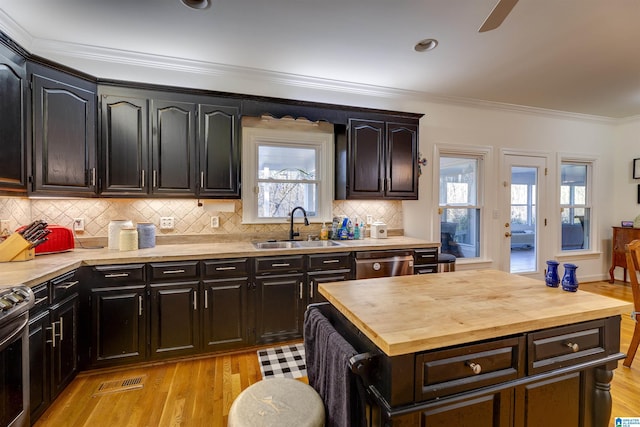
point(636, 168)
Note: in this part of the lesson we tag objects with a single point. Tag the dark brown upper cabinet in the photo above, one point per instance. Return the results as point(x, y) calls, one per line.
point(219, 151)
point(12, 110)
point(125, 145)
point(173, 148)
point(63, 133)
point(380, 160)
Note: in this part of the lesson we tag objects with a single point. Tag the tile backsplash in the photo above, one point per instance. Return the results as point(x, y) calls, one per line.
point(191, 220)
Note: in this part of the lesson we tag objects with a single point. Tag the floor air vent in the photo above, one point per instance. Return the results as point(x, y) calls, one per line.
point(120, 385)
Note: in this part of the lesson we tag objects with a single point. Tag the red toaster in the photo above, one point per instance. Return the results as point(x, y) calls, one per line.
point(59, 240)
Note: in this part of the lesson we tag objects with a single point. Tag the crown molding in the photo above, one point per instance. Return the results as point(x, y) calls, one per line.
point(101, 55)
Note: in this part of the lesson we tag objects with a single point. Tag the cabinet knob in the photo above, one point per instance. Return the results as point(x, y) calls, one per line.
point(507, 234)
point(573, 346)
point(475, 367)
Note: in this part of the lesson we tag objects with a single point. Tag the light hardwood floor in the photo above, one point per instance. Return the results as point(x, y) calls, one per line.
point(199, 392)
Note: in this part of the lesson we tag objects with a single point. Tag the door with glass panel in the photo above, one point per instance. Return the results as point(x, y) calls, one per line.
point(523, 185)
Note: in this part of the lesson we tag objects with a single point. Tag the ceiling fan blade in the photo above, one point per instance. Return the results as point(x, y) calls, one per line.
point(497, 15)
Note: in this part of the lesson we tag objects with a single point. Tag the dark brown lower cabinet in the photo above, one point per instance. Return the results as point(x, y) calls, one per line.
point(118, 325)
point(39, 363)
point(225, 323)
point(64, 354)
point(279, 307)
point(175, 320)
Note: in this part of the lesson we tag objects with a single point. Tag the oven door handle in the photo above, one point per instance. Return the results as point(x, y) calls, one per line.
point(17, 331)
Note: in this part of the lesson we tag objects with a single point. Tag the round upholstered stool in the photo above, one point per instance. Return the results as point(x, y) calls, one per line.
point(278, 402)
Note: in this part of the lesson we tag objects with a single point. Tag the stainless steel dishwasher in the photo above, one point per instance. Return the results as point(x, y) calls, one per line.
point(371, 264)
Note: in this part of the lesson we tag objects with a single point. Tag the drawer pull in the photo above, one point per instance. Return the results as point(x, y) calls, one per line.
point(281, 264)
point(573, 346)
point(330, 261)
point(112, 275)
point(39, 300)
point(173, 271)
point(67, 285)
point(475, 367)
point(225, 268)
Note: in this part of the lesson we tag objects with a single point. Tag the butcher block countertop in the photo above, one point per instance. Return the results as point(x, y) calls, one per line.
point(407, 314)
point(45, 267)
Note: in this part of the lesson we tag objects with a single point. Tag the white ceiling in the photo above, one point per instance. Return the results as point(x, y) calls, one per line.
point(578, 56)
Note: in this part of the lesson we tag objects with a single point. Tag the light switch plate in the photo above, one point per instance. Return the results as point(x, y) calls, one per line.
point(167, 223)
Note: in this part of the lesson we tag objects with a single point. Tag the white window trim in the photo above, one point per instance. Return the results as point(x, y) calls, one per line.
point(592, 196)
point(485, 175)
point(323, 142)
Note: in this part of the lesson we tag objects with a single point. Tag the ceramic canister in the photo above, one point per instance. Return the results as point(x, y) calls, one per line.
point(146, 235)
point(128, 239)
point(114, 232)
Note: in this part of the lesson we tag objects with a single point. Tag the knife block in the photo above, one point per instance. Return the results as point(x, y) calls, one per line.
point(15, 248)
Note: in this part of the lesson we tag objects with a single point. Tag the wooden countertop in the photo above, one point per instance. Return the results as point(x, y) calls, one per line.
point(45, 267)
point(407, 314)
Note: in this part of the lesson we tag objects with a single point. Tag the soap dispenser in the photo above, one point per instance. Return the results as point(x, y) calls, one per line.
point(324, 232)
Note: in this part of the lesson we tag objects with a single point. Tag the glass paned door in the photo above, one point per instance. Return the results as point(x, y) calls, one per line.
point(521, 229)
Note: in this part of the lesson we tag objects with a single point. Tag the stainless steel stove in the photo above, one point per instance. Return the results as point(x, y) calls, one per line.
point(15, 303)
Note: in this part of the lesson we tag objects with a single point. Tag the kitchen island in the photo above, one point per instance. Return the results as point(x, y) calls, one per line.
point(475, 348)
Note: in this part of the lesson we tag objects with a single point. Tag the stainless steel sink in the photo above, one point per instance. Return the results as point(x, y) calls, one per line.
point(276, 245)
point(318, 243)
point(296, 244)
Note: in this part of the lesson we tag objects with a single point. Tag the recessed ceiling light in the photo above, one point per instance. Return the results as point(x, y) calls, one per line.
point(425, 45)
point(196, 4)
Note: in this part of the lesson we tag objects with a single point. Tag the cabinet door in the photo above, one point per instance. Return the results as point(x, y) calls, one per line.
point(218, 145)
point(125, 145)
point(279, 308)
point(175, 323)
point(12, 125)
point(366, 159)
point(401, 161)
point(173, 148)
point(118, 323)
point(64, 321)
point(39, 364)
point(551, 402)
point(64, 134)
point(324, 277)
point(225, 313)
point(478, 410)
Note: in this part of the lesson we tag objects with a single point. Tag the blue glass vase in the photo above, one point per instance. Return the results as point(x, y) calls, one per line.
point(569, 280)
point(552, 278)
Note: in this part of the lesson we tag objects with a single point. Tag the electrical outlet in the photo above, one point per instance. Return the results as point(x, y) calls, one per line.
point(369, 219)
point(78, 224)
point(167, 223)
point(215, 221)
point(4, 225)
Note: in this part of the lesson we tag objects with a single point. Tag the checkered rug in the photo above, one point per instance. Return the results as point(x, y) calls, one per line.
point(285, 361)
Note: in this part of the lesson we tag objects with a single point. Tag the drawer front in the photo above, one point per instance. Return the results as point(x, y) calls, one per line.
point(425, 256)
point(283, 264)
point(425, 269)
point(234, 267)
point(334, 261)
point(445, 372)
point(64, 285)
point(42, 299)
point(174, 270)
point(565, 346)
point(118, 275)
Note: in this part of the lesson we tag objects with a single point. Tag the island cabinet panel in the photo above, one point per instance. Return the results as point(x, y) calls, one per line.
point(124, 145)
point(12, 126)
point(173, 148)
point(489, 409)
point(555, 401)
point(64, 133)
point(219, 151)
point(226, 287)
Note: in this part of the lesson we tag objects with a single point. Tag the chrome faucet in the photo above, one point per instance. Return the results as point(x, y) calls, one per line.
point(292, 233)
